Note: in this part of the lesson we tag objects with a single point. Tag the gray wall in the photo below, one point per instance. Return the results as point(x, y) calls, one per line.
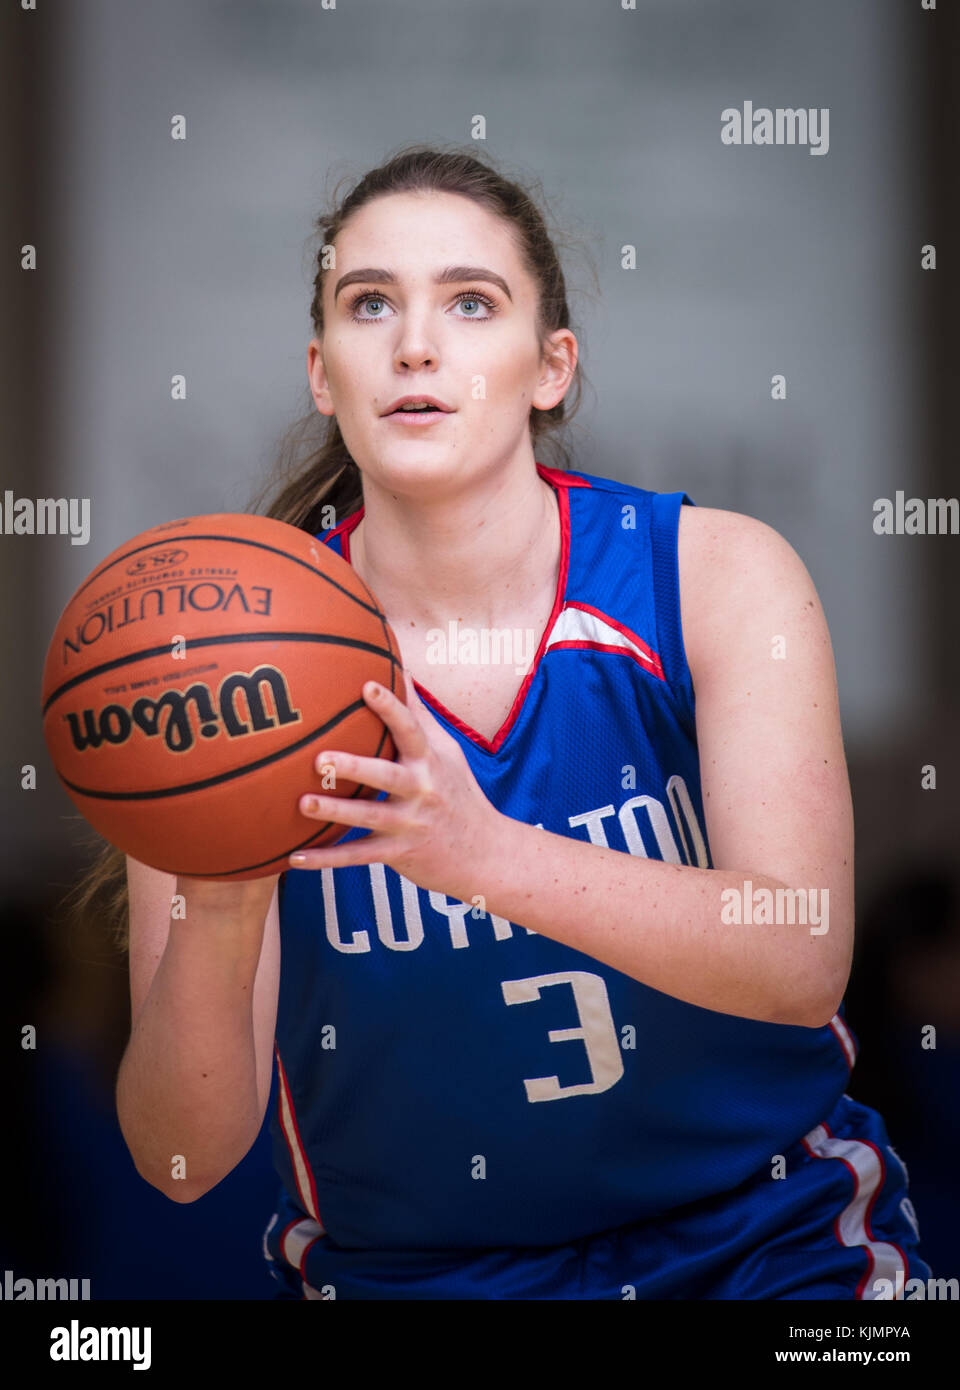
point(169, 257)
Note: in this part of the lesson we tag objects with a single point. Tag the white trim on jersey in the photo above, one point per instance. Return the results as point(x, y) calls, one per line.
point(843, 1035)
point(297, 1238)
point(577, 623)
point(852, 1226)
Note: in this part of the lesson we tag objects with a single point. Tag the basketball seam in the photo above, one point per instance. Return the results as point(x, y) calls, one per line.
point(219, 639)
point(371, 607)
point(157, 793)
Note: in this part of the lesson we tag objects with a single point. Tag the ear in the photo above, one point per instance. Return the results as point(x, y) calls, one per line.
point(317, 377)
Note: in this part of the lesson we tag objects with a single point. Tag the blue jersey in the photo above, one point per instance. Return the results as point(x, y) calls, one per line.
point(454, 1088)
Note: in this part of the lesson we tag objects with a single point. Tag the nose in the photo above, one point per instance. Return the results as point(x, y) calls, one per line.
point(415, 344)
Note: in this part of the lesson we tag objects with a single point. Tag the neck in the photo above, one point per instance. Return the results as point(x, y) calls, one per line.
point(476, 556)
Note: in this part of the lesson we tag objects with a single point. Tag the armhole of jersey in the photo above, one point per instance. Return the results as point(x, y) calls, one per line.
point(664, 529)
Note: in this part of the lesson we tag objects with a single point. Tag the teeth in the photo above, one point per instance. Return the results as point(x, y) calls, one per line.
point(418, 407)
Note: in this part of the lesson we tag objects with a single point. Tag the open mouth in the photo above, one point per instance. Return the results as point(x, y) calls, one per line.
point(417, 414)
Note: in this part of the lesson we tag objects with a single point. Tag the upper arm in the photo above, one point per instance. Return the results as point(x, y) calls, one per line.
point(776, 793)
point(150, 894)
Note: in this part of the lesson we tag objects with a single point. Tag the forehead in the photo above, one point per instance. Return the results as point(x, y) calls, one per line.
point(407, 231)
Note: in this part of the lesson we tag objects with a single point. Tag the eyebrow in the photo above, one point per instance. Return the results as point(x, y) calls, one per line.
point(452, 274)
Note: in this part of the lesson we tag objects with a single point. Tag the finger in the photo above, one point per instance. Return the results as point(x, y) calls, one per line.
point(366, 851)
point(407, 734)
point(369, 815)
point(381, 773)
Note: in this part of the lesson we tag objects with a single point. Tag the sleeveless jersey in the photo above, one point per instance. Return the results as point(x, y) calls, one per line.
point(449, 1080)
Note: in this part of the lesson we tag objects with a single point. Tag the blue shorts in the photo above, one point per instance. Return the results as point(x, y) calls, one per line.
point(837, 1225)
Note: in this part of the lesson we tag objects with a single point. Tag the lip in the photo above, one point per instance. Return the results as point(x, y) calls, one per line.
point(414, 418)
point(415, 400)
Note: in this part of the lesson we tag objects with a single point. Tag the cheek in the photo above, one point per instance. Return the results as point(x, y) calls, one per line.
point(508, 366)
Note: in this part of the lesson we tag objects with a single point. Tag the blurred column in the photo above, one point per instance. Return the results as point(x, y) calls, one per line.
point(30, 366)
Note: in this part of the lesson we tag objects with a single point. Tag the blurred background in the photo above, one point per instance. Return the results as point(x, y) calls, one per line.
point(156, 257)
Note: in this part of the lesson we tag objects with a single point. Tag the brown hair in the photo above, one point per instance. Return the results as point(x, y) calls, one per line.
point(314, 469)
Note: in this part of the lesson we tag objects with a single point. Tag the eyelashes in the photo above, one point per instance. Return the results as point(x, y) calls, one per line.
point(464, 294)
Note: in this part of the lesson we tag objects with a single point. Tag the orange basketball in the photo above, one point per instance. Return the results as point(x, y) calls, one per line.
point(193, 678)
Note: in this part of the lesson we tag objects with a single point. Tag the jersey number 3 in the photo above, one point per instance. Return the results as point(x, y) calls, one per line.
point(596, 1031)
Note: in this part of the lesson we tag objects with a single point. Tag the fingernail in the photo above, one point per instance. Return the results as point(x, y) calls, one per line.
point(298, 859)
point(311, 803)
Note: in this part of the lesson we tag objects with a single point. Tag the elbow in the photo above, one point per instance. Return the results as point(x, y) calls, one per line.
point(819, 1018)
point(176, 1190)
point(180, 1193)
point(818, 1012)
point(183, 1195)
point(817, 994)
point(808, 1017)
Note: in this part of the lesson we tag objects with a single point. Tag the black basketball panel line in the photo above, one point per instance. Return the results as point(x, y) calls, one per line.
point(371, 607)
point(217, 640)
point(154, 794)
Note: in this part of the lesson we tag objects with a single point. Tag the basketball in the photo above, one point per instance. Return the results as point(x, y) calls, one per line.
point(193, 678)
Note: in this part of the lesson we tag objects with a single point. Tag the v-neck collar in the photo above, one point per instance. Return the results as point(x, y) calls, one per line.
point(560, 483)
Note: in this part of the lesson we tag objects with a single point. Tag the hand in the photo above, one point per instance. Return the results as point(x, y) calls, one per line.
point(436, 825)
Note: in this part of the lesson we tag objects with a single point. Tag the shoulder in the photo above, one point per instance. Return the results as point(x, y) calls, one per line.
point(740, 582)
point(727, 544)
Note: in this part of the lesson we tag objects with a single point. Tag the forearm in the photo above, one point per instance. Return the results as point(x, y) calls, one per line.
point(662, 924)
point(187, 1088)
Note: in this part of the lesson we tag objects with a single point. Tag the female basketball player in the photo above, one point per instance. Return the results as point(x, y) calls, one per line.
point(561, 1015)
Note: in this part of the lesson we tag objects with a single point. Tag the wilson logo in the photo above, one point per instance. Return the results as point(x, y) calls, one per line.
point(171, 718)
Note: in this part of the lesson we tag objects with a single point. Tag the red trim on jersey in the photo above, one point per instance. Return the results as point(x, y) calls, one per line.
point(294, 1221)
point(866, 1220)
point(321, 1235)
point(871, 1240)
point(845, 1039)
point(345, 527)
point(560, 482)
point(586, 645)
point(309, 1200)
point(655, 665)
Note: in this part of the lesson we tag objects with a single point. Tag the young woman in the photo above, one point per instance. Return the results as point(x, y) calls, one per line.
point(561, 1014)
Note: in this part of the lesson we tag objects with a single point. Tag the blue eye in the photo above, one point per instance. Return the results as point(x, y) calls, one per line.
point(465, 296)
point(364, 299)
